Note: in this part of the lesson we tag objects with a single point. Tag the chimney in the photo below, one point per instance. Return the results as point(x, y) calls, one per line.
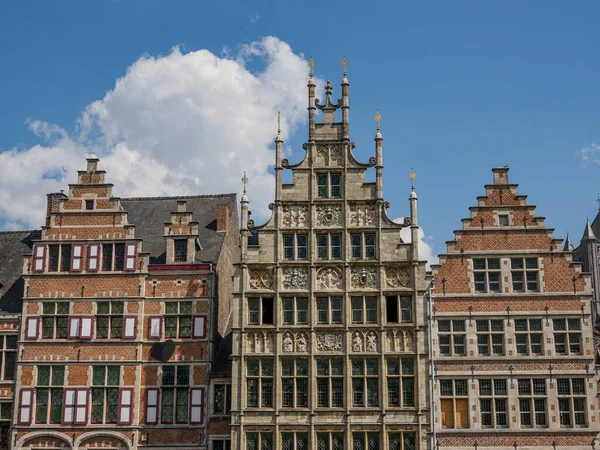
point(181, 206)
point(92, 164)
point(53, 205)
point(500, 175)
point(222, 218)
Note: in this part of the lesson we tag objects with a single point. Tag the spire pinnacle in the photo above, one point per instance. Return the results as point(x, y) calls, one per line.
point(245, 181)
point(377, 118)
point(344, 65)
point(278, 123)
point(412, 175)
point(311, 64)
point(598, 201)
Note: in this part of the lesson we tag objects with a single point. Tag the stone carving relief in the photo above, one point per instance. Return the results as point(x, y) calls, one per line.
point(294, 216)
point(371, 341)
point(299, 341)
point(329, 342)
point(399, 341)
point(364, 277)
point(330, 155)
point(362, 215)
point(397, 276)
point(357, 342)
point(260, 278)
point(362, 341)
point(259, 342)
point(329, 216)
point(329, 278)
point(295, 278)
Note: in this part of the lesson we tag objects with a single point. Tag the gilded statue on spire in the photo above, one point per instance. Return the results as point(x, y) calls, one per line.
point(344, 64)
point(378, 118)
point(311, 64)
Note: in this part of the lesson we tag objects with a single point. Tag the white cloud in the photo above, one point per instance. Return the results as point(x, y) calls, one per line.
point(255, 17)
point(180, 124)
point(425, 243)
point(589, 154)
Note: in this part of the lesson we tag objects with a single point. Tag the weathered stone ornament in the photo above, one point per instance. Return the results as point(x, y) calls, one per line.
point(288, 343)
point(295, 278)
point(329, 342)
point(364, 277)
point(294, 216)
point(397, 276)
point(328, 216)
point(362, 215)
point(261, 278)
point(371, 341)
point(357, 342)
point(301, 343)
point(329, 155)
point(329, 278)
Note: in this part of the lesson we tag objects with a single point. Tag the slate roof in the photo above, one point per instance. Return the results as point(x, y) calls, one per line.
point(13, 246)
point(596, 224)
point(149, 215)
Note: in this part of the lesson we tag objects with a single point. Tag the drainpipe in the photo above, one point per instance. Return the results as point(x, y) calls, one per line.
point(209, 353)
point(432, 365)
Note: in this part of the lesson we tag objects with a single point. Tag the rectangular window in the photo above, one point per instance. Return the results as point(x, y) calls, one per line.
point(259, 383)
point(567, 336)
point(364, 309)
point(365, 441)
point(402, 441)
point(490, 337)
point(503, 220)
point(493, 403)
point(5, 422)
point(260, 311)
point(60, 257)
point(221, 444)
point(119, 256)
point(571, 402)
point(401, 382)
point(55, 320)
point(524, 273)
point(454, 403)
point(53, 257)
point(259, 441)
point(486, 274)
point(89, 204)
point(8, 356)
point(329, 310)
point(365, 382)
point(294, 441)
point(109, 320)
point(65, 257)
point(107, 257)
point(178, 320)
point(49, 394)
point(181, 250)
point(398, 309)
point(222, 399)
point(330, 441)
point(105, 393)
point(362, 245)
point(175, 393)
point(75, 406)
point(329, 246)
point(532, 403)
point(294, 383)
point(295, 247)
point(452, 337)
point(329, 185)
point(330, 383)
point(529, 336)
point(295, 310)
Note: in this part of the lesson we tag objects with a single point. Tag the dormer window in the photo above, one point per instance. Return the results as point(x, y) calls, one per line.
point(503, 220)
point(89, 204)
point(181, 250)
point(328, 185)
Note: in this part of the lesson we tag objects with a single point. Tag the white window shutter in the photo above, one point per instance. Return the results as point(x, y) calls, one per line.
point(129, 327)
point(196, 405)
point(81, 406)
point(130, 251)
point(69, 407)
point(199, 326)
point(155, 327)
point(125, 405)
point(25, 406)
point(86, 327)
point(152, 406)
point(74, 327)
point(31, 330)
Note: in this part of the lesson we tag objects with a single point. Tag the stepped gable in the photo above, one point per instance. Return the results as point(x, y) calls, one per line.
point(14, 245)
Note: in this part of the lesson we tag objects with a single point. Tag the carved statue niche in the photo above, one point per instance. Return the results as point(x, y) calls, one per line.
point(357, 342)
point(302, 343)
point(371, 341)
point(288, 342)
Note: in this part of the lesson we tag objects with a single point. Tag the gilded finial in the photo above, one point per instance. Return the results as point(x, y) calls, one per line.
point(245, 181)
point(378, 118)
point(344, 64)
point(311, 64)
point(412, 175)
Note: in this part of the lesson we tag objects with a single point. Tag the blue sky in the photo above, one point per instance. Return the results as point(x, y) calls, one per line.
point(462, 87)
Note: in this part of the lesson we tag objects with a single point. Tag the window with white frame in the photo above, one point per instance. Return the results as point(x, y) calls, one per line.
point(259, 441)
point(365, 440)
point(294, 440)
point(452, 337)
point(401, 382)
point(295, 310)
point(175, 393)
point(222, 399)
point(294, 383)
point(49, 394)
point(490, 337)
point(364, 309)
point(329, 246)
point(524, 273)
point(330, 383)
point(529, 336)
point(567, 336)
point(329, 185)
point(402, 440)
point(329, 310)
point(486, 274)
point(55, 320)
point(454, 403)
point(260, 311)
point(8, 356)
point(295, 246)
point(259, 383)
point(493, 403)
point(398, 308)
point(365, 382)
point(181, 246)
point(330, 440)
point(362, 245)
point(571, 402)
point(532, 402)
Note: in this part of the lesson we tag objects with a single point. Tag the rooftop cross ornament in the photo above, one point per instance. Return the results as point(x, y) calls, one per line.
point(311, 64)
point(412, 175)
point(245, 181)
point(377, 118)
point(344, 64)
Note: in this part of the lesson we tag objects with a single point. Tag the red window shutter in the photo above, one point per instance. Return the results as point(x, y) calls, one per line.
point(25, 406)
point(76, 257)
point(129, 327)
point(39, 257)
point(125, 406)
point(199, 327)
point(196, 405)
point(154, 327)
point(81, 407)
point(69, 405)
point(130, 254)
point(152, 395)
point(93, 257)
point(32, 327)
point(86, 327)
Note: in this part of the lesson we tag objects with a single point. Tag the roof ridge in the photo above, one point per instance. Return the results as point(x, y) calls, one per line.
point(18, 231)
point(181, 197)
